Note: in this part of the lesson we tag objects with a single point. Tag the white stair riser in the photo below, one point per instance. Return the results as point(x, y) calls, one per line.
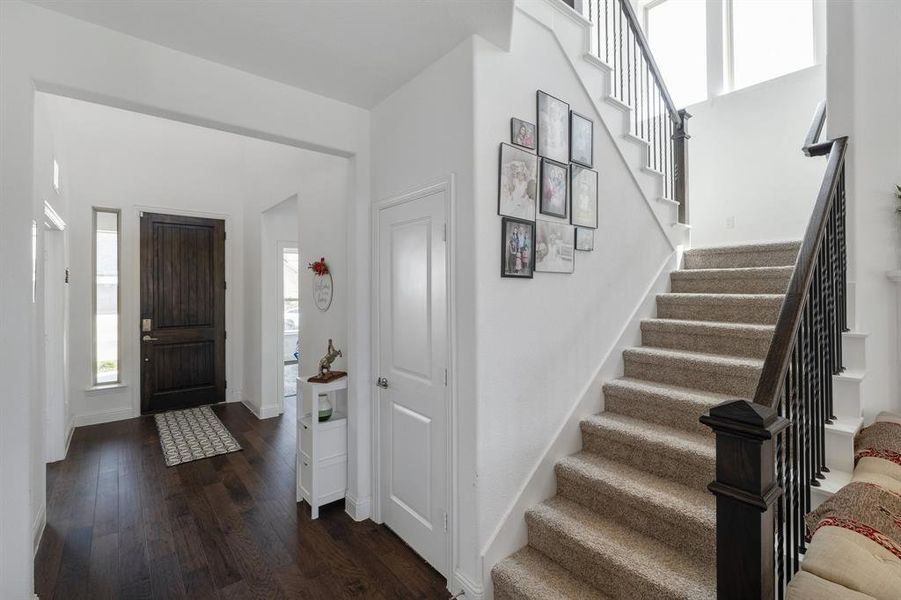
point(854, 351)
point(839, 450)
point(818, 496)
point(847, 395)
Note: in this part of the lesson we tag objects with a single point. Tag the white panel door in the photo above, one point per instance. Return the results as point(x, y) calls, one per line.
point(412, 360)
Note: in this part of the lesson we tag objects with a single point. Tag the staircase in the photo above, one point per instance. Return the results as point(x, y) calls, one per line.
point(632, 517)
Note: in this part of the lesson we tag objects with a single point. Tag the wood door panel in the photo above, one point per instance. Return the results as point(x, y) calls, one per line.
point(190, 282)
point(185, 365)
point(183, 296)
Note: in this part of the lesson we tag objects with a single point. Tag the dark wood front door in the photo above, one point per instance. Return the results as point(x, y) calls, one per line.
point(182, 325)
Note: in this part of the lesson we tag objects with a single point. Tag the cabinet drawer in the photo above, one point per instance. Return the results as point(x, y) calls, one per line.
point(332, 442)
point(305, 438)
point(305, 474)
point(331, 480)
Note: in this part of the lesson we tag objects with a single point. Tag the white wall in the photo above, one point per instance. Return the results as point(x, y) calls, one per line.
point(864, 91)
point(134, 162)
point(541, 340)
point(746, 164)
point(421, 134)
point(321, 185)
point(314, 219)
point(46, 357)
point(43, 50)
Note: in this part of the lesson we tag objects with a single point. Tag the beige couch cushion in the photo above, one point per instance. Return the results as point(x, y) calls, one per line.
point(807, 586)
point(853, 561)
point(881, 441)
point(881, 472)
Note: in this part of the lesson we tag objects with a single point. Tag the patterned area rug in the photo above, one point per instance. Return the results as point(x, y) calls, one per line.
point(192, 434)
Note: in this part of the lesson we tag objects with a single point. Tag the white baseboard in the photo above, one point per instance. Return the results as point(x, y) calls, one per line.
point(103, 416)
point(511, 532)
point(266, 412)
point(70, 429)
point(249, 406)
point(37, 528)
point(359, 509)
point(471, 589)
point(269, 411)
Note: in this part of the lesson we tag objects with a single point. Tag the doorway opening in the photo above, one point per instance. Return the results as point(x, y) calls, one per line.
point(289, 293)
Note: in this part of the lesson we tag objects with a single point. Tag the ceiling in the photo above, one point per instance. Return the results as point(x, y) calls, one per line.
point(356, 51)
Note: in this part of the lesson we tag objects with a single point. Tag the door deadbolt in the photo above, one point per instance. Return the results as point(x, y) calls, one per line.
point(382, 383)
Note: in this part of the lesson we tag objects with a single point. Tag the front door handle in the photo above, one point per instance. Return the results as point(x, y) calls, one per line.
point(147, 338)
point(382, 383)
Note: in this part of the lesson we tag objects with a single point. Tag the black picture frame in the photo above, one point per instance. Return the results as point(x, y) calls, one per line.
point(584, 239)
point(559, 257)
point(515, 127)
point(546, 167)
point(578, 195)
point(531, 187)
point(580, 158)
point(506, 260)
point(559, 151)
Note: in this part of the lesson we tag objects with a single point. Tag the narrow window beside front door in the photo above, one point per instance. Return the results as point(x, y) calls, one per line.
point(106, 297)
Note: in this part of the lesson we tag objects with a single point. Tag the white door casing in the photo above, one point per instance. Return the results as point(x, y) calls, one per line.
point(413, 356)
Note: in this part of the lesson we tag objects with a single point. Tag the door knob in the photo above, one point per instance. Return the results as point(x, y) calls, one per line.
point(147, 338)
point(382, 383)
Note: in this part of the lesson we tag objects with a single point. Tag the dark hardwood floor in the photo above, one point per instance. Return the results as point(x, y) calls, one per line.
point(122, 525)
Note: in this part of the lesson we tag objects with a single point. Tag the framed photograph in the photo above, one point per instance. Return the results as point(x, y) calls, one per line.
point(584, 239)
point(553, 197)
point(553, 127)
point(554, 247)
point(517, 190)
point(583, 185)
point(581, 139)
point(517, 248)
point(522, 133)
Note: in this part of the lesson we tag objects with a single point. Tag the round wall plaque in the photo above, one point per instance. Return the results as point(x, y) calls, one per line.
point(322, 291)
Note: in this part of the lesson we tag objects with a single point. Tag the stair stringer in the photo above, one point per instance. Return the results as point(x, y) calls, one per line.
point(573, 35)
point(511, 533)
point(848, 393)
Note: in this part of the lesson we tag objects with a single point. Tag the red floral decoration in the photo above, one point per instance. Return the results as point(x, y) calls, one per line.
point(319, 267)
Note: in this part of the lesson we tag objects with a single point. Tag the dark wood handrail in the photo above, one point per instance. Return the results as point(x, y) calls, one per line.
point(777, 359)
point(637, 31)
point(811, 142)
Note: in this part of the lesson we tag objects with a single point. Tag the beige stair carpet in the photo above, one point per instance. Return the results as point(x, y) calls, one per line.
point(632, 517)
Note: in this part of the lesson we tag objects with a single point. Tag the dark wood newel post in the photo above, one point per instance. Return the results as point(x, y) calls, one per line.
point(745, 490)
point(680, 160)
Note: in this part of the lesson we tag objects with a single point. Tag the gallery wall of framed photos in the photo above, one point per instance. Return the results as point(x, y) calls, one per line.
point(547, 190)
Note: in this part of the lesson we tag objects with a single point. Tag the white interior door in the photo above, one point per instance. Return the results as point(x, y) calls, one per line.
point(412, 360)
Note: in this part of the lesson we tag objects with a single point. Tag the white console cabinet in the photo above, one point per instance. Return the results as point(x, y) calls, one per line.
point(321, 446)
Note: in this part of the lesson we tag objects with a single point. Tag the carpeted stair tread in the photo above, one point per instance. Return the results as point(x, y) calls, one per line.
point(712, 372)
point(697, 360)
point(735, 272)
point(771, 254)
point(730, 339)
point(671, 405)
point(750, 330)
point(652, 436)
point(683, 456)
point(600, 481)
point(743, 280)
point(592, 546)
point(530, 575)
point(733, 308)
